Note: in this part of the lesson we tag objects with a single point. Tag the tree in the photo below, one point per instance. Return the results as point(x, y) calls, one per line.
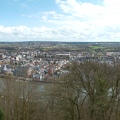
point(1, 115)
point(92, 88)
point(90, 91)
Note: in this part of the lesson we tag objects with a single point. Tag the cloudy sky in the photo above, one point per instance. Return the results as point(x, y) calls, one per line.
point(60, 20)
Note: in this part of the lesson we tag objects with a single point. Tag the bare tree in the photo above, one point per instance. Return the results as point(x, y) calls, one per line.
point(90, 91)
point(91, 88)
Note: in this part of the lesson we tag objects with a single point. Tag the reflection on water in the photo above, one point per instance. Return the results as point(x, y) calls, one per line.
point(41, 87)
point(2, 85)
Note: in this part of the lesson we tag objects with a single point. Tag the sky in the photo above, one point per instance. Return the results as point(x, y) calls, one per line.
point(60, 20)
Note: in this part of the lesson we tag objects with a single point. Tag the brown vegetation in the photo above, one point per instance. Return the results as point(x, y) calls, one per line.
point(91, 91)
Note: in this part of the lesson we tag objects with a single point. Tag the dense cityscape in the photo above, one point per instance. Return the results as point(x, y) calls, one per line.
point(41, 61)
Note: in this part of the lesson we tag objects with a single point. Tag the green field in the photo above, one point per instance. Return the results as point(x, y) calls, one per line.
point(96, 47)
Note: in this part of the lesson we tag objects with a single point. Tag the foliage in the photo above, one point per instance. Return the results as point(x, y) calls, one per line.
point(1, 115)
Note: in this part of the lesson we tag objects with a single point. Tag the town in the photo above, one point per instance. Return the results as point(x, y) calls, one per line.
point(42, 61)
